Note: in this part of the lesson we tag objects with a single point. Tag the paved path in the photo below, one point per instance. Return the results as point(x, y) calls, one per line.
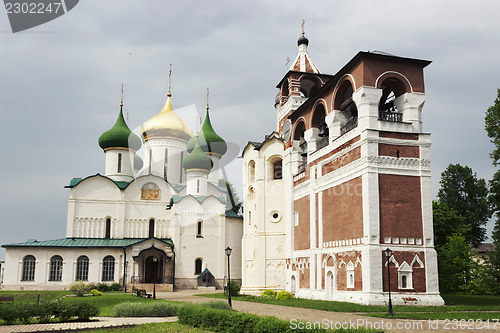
point(101, 323)
point(348, 320)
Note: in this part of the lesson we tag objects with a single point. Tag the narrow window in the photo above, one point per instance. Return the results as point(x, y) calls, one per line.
point(82, 268)
point(56, 265)
point(249, 217)
point(150, 160)
point(197, 266)
point(199, 229)
point(108, 268)
point(29, 268)
point(277, 169)
point(404, 282)
point(151, 228)
point(296, 217)
point(165, 164)
point(197, 186)
point(108, 228)
point(120, 163)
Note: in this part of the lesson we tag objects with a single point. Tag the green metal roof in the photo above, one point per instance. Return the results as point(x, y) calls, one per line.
point(230, 213)
point(210, 142)
point(76, 181)
point(120, 136)
point(86, 242)
point(205, 271)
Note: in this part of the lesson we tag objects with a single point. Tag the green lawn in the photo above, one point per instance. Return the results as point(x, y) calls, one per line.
point(32, 296)
point(154, 328)
point(107, 301)
point(458, 307)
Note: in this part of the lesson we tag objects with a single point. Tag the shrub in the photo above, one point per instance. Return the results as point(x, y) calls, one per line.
point(9, 313)
point(115, 286)
point(233, 321)
point(44, 312)
point(268, 294)
point(63, 310)
point(284, 295)
point(85, 310)
point(153, 309)
point(79, 288)
point(220, 305)
point(234, 288)
point(103, 287)
point(95, 292)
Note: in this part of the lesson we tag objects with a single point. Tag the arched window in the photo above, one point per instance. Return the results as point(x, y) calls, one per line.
point(346, 106)
point(308, 87)
point(392, 88)
point(198, 263)
point(82, 268)
point(151, 228)
point(350, 274)
point(119, 163)
point(108, 268)
point(199, 229)
point(29, 263)
point(108, 228)
point(278, 169)
point(298, 135)
point(56, 265)
point(319, 122)
point(251, 172)
point(405, 273)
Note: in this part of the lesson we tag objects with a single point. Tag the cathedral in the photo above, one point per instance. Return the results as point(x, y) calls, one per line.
point(165, 221)
point(345, 176)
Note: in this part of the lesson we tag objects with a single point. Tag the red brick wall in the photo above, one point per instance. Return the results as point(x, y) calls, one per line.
point(418, 275)
point(404, 151)
point(343, 211)
point(340, 161)
point(397, 135)
point(304, 278)
point(400, 206)
point(301, 232)
point(342, 272)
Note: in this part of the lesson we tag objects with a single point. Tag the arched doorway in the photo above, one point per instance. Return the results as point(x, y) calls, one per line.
point(152, 270)
point(330, 287)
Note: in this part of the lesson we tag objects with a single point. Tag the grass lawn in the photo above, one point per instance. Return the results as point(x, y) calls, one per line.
point(458, 307)
point(32, 296)
point(154, 328)
point(107, 301)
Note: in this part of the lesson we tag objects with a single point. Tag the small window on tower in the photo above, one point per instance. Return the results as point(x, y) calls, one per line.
point(108, 228)
point(120, 163)
point(277, 169)
point(199, 229)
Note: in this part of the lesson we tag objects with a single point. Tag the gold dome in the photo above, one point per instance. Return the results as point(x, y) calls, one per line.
point(166, 124)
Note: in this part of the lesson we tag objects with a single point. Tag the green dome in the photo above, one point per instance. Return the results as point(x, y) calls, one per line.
point(120, 136)
point(138, 164)
point(209, 141)
point(197, 159)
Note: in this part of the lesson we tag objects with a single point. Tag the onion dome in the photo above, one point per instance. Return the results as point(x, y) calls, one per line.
point(138, 164)
point(209, 141)
point(303, 40)
point(120, 136)
point(197, 159)
point(166, 124)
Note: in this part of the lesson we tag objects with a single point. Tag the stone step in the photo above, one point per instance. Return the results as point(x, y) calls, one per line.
point(160, 287)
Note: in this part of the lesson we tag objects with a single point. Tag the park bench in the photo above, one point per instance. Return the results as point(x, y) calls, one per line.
point(6, 299)
point(143, 293)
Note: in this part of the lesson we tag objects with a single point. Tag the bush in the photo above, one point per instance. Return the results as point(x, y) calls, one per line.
point(115, 286)
point(220, 305)
point(79, 288)
point(85, 310)
point(234, 288)
point(44, 312)
point(63, 311)
point(103, 287)
point(95, 292)
point(233, 321)
point(268, 294)
point(153, 309)
point(284, 295)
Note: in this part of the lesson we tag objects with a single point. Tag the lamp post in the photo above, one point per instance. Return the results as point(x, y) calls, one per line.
point(228, 253)
point(388, 255)
point(155, 273)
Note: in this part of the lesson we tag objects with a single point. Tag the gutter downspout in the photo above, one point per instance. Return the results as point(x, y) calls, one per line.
point(173, 270)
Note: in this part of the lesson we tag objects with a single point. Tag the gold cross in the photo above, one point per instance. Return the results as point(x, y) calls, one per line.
point(303, 23)
point(121, 103)
point(170, 81)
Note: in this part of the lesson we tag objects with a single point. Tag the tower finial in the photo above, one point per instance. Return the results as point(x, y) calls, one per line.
point(303, 23)
point(121, 103)
point(170, 81)
point(207, 97)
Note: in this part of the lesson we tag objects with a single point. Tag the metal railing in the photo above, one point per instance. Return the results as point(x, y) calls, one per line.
point(323, 142)
point(350, 125)
point(389, 115)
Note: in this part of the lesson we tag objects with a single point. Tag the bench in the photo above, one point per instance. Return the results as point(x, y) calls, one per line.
point(143, 293)
point(6, 299)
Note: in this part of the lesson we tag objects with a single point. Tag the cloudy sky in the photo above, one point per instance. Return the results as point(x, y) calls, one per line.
point(60, 82)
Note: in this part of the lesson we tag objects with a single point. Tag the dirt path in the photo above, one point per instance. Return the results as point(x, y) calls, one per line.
point(331, 319)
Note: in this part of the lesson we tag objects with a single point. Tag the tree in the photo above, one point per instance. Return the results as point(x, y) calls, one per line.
point(492, 126)
point(456, 267)
point(463, 192)
point(446, 222)
point(235, 201)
